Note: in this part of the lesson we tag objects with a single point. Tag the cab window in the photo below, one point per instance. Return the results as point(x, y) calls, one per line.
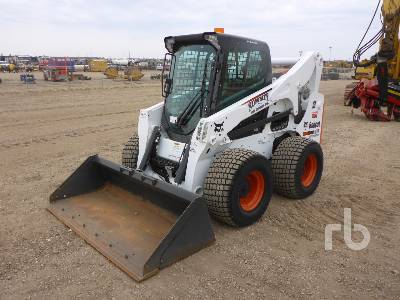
point(244, 74)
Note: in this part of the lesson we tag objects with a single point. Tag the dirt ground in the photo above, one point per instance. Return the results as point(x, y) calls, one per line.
point(48, 129)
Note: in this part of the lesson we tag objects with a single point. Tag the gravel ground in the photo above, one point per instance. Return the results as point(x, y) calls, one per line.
point(48, 129)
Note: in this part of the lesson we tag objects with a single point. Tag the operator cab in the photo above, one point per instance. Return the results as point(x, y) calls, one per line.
point(209, 72)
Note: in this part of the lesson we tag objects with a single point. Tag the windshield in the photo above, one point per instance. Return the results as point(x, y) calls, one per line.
point(191, 70)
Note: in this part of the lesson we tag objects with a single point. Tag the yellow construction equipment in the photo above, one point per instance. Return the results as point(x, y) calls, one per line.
point(338, 64)
point(379, 76)
point(111, 73)
point(11, 67)
point(131, 73)
point(367, 72)
point(98, 65)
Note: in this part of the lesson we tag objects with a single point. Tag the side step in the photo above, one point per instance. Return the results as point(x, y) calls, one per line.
point(139, 223)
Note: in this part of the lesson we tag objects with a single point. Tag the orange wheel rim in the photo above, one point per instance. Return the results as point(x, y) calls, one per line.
point(309, 171)
point(256, 186)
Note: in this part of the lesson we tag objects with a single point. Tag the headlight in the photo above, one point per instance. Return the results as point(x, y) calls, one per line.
point(169, 44)
point(211, 38)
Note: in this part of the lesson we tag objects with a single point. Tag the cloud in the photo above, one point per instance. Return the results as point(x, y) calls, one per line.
point(115, 28)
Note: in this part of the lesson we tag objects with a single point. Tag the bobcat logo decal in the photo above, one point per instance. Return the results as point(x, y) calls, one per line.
point(219, 127)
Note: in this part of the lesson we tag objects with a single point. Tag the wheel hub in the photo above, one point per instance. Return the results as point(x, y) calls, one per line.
point(252, 192)
point(309, 171)
point(244, 189)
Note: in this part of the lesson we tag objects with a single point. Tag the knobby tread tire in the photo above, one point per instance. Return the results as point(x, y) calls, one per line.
point(219, 182)
point(130, 152)
point(287, 163)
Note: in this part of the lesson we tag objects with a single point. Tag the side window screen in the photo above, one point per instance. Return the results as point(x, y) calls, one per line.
point(190, 65)
point(244, 75)
point(254, 66)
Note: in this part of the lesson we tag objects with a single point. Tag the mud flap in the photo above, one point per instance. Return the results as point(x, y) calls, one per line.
point(139, 223)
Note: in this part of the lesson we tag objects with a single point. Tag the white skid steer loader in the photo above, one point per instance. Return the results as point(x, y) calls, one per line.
point(225, 137)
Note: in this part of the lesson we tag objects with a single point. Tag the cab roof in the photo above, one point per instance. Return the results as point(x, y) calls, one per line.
point(213, 38)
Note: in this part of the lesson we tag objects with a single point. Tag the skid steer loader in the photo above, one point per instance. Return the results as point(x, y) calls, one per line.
point(225, 137)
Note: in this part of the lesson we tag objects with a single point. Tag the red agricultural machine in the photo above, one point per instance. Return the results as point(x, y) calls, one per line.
point(383, 89)
point(58, 69)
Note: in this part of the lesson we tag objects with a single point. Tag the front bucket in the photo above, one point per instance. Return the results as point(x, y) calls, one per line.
point(141, 224)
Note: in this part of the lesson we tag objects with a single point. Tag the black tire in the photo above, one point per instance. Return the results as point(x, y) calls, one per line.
point(227, 182)
point(130, 152)
point(291, 162)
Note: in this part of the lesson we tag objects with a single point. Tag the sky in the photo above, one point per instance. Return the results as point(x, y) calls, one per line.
point(137, 27)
